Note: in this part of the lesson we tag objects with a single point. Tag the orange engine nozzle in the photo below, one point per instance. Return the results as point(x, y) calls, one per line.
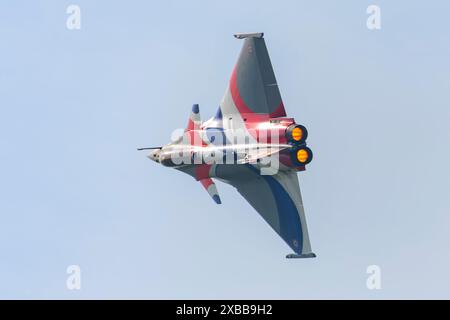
point(296, 133)
point(301, 155)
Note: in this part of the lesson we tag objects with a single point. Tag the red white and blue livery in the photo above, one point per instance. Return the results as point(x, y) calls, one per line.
point(250, 144)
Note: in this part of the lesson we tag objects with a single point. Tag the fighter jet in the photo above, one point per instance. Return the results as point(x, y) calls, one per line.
point(250, 144)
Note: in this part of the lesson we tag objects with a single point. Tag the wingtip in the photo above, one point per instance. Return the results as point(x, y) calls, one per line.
point(301, 256)
point(249, 35)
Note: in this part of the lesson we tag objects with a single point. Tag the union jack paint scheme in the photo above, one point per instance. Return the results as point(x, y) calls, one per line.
point(250, 144)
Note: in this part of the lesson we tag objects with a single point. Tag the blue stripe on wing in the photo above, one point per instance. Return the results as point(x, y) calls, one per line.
point(289, 218)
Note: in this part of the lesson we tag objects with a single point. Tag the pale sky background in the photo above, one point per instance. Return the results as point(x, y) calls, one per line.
point(76, 104)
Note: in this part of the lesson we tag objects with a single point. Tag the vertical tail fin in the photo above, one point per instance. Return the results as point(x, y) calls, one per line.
point(194, 119)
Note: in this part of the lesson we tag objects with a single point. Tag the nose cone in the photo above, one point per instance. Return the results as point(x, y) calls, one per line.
point(154, 155)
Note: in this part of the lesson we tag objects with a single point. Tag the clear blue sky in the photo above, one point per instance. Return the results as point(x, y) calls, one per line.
point(76, 104)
